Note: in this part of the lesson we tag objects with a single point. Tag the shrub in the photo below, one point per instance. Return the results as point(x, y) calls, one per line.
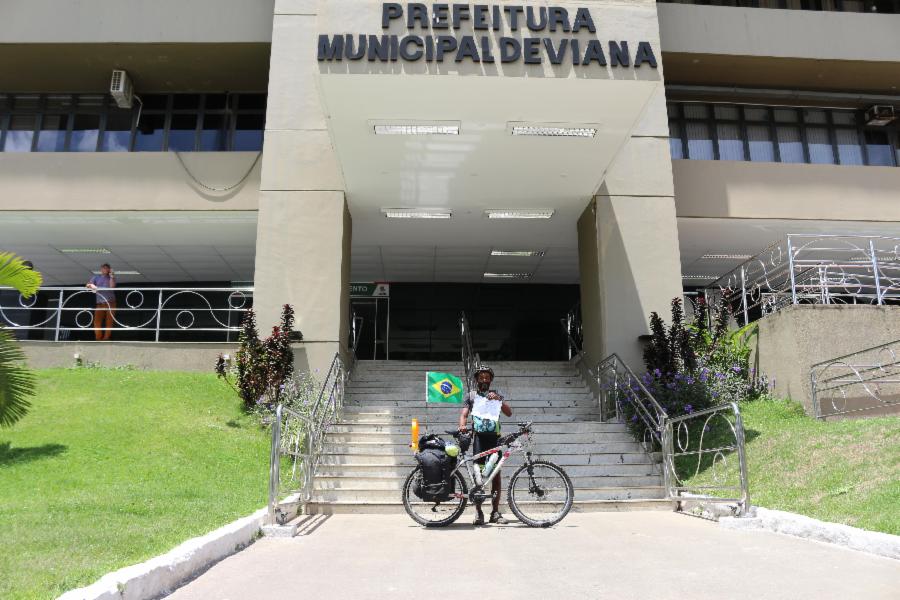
point(694, 367)
point(261, 366)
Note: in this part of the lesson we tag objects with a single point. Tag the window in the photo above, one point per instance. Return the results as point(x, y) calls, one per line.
point(812, 135)
point(93, 122)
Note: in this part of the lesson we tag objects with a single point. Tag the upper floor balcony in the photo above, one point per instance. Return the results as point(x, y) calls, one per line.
point(791, 49)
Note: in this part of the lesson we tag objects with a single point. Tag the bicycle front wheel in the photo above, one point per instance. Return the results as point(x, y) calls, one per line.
point(540, 494)
point(434, 514)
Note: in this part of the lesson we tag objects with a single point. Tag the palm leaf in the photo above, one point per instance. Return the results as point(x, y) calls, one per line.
point(15, 273)
point(17, 382)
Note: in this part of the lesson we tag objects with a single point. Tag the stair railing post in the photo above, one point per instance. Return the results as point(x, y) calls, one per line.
point(790, 249)
point(744, 293)
point(875, 271)
point(59, 306)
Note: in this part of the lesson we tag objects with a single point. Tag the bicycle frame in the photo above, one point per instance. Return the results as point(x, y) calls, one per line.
point(469, 462)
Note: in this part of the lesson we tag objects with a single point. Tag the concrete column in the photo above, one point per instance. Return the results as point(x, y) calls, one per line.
point(628, 243)
point(304, 227)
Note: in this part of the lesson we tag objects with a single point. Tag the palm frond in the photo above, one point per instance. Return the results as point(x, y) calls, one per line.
point(15, 273)
point(17, 382)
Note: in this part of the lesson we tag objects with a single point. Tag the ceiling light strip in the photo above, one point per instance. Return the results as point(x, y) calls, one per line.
point(85, 250)
point(517, 252)
point(727, 256)
point(414, 213)
point(534, 130)
point(399, 129)
point(507, 275)
point(512, 213)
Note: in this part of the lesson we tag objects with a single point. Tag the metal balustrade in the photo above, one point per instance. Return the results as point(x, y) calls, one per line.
point(859, 384)
point(139, 313)
point(813, 269)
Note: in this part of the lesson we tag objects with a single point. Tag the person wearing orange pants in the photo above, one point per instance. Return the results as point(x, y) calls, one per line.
point(105, 309)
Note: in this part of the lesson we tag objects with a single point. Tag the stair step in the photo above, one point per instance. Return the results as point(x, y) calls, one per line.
point(518, 405)
point(539, 448)
point(440, 411)
point(597, 493)
point(515, 387)
point(375, 470)
point(395, 483)
point(403, 439)
point(403, 427)
point(334, 508)
point(563, 460)
point(357, 416)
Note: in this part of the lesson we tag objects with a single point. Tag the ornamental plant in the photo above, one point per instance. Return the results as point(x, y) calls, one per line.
point(261, 366)
point(691, 367)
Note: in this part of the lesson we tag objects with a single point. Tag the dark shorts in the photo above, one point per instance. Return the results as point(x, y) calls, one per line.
point(484, 442)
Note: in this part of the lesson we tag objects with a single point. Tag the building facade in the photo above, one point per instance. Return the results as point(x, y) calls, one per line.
point(512, 160)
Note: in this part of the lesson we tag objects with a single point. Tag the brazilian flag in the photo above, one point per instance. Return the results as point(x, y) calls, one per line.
point(443, 387)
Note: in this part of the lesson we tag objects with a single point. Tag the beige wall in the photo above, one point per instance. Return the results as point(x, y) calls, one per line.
point(304, 226)
point(793, 339)
point(127, 181)
point(135, 21)
point(821, 35)
point(749, 190)
point(176, 356)
point(635, 247)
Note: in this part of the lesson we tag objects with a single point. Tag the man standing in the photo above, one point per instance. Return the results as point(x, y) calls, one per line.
point(485, 406)
point(106, 302)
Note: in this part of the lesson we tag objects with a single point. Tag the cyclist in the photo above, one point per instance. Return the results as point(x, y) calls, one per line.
point(485, 406)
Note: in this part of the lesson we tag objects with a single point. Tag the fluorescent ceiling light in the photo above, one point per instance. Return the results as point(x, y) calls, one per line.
point(85, 250)
point(586, 132)
point(517, 252)
point(512, 213)
point(699, 276)
point(507, 275)
point(415, 213)
point(119, 272)
point(727, 256)
point(410, 129)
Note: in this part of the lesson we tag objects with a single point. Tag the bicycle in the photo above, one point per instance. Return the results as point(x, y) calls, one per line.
point(537, 485)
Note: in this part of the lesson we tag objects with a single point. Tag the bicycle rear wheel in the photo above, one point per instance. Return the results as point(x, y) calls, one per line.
point(434, 514)
point(540, 494)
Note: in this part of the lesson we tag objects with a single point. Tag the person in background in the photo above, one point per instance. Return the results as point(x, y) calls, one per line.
point(105, 309)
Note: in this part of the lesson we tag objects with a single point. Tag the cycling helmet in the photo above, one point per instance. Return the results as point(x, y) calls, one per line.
point(483, 369)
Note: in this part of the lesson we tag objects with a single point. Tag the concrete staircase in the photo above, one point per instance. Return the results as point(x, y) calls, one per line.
point(367, 455)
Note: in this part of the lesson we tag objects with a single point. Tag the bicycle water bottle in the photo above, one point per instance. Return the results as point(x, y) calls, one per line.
point(490, 464)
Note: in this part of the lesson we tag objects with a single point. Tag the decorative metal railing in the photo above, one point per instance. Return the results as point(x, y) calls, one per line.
point(704, 459)
point(703, 453)
point(298, 439)
point(137, 313)
point(470, 359)
point(865, 382)
point(813, 269)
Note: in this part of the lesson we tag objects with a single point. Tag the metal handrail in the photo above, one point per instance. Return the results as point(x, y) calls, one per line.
point(858, 382)
point(304, 442)
point(470, 359)
point(814, 269)
point(66, 309)
point(623, 378)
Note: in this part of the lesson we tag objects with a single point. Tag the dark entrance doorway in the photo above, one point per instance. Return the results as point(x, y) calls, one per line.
point(372, 319)
point(509, 321)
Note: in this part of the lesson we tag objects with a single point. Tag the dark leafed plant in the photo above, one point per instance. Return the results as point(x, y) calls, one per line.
point(17, 382)
point(262, 366)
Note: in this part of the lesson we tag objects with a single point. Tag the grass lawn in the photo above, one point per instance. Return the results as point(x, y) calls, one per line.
point(840, 471)
point(112, 467)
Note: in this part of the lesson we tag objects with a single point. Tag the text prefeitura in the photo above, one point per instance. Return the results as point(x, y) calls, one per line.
point(479, 49)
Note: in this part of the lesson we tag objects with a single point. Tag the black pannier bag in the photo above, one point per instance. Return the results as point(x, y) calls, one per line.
point(436, 467)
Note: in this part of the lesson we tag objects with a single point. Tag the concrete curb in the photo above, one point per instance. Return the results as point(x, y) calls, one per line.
point(164, 573)
point(764, 519)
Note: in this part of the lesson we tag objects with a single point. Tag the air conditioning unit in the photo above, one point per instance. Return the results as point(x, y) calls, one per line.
point(121, 88)
point(880, 115)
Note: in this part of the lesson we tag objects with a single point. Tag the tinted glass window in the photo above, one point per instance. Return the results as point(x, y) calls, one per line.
point(20, 133)
point(149, 134)
point(52, 137)
point(182, 132)
point(248, 134)
point(85, 131)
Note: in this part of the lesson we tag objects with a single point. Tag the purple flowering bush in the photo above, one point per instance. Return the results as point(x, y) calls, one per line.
point(694, 367)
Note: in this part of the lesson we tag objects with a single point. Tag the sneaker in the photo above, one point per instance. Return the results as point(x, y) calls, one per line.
point(499, 519)
point(479, 520)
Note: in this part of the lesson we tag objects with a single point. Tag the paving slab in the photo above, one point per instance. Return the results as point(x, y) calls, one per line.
point(658, 555)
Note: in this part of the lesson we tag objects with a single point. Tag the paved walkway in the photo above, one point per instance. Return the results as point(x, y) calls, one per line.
point(636, 555)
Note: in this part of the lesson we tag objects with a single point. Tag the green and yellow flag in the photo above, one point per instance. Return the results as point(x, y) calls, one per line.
point(443, 387)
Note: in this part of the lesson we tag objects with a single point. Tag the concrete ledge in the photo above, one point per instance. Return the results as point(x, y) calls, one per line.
point(161, 575)
point(873, 542)
point(160, 356)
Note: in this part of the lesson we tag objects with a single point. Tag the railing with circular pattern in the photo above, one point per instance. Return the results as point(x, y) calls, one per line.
point(136, 313)
point(860, 384)
point(813, 269)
